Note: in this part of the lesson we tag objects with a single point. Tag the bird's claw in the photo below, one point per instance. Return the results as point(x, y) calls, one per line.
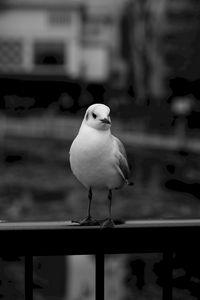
point(115, 221)
point(88, 221)
point(108, 223)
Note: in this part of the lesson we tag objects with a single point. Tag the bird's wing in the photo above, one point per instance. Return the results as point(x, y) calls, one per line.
point(122, 163)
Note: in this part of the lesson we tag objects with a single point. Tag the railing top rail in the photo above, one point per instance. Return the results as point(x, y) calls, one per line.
point(68, 225)
point(62, 238)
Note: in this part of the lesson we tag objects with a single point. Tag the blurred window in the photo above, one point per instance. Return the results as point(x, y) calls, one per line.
point(49, 53)
point(60, 18)
point(97, 25)
point(104, 20)
point(93, 29)
point(10, 52)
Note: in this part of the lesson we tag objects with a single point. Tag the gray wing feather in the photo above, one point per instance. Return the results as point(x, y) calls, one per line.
point(122, 159)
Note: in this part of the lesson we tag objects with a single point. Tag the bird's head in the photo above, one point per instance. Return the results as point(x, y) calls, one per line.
point(98, 116)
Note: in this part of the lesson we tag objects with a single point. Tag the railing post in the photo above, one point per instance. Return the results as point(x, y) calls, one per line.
point(99, 277)
point(167, 275)
point(28, 277)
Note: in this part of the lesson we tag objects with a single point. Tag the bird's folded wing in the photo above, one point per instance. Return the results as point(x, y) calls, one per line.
point(122, 163)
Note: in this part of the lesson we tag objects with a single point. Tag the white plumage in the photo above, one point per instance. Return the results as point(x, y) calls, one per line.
point(97, 158)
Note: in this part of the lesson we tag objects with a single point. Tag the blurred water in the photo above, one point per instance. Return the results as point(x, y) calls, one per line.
point(35, 169)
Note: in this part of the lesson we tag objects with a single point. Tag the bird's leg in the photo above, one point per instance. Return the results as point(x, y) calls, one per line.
point(89, 203)
point(109, 202)
point(88, 221)
point(109, 221)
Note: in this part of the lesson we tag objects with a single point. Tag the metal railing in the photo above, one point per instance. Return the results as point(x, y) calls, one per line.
point(30, 239)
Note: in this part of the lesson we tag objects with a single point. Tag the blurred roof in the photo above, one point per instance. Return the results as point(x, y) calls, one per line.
point(101, 4)
point(38, 3)
point(98, 7)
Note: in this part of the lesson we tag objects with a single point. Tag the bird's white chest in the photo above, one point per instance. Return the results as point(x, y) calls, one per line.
point(91, 159)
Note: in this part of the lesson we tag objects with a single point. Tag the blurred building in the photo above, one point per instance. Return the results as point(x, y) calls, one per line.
point(71, 38)
point(40, 37)
point(142, 43)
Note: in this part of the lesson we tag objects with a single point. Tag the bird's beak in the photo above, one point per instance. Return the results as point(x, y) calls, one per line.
point(105, 121)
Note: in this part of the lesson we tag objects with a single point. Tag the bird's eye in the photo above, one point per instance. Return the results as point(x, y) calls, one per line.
point(94, 115)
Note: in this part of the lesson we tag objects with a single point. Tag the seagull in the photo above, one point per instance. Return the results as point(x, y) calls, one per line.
point(98, 159)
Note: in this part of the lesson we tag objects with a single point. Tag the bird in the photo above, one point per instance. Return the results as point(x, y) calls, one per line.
point(98, 159)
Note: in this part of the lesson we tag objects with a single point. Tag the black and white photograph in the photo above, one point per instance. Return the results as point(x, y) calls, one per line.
point(99, 149)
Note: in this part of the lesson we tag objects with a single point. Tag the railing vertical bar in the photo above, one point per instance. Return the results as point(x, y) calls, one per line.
point(167, 275)
point(99, 277)
point(28, 277)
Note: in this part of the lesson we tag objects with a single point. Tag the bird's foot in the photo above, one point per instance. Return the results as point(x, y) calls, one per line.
point(108, 223)
point(88, 221)
point(115, 221)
